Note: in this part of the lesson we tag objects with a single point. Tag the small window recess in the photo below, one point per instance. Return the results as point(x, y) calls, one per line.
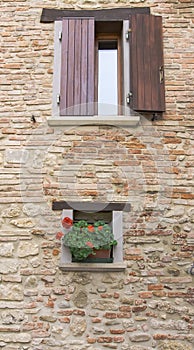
point(109, 211)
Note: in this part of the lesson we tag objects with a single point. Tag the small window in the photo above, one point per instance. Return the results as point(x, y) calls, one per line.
point(99, 215)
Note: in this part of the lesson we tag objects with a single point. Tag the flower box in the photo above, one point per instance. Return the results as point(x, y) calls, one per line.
point(99, 256)
point(86, 241)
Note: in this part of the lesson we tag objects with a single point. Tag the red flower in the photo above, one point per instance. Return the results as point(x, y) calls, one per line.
point(100, 228)
point(91, 228)
point(67, 222)
point(59, 235)
point(89, 244)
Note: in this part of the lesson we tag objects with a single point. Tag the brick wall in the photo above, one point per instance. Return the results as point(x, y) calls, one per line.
point(150, 305)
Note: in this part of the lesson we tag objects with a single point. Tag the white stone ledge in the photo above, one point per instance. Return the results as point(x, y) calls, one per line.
point(127, 121)
point(93, 267)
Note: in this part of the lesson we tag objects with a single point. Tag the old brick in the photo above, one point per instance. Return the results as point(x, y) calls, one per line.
point(155, 287)
point(124, 315)
point(64, 320)
point(110, 315)
point(159, 294)
point(116, 295)
point(79, 312)
point(178, 279)
point(160, 336)
point(117, 331)
point(118, 339)
point(91, 340)
point(125, 308)
point(65, 312)
point(96, 320)
point(145, 295)
point(139, 308)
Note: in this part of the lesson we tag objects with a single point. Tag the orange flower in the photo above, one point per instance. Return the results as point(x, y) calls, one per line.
point(89, 244)
point(100, 228)
point(91, 228)
point(67, 222)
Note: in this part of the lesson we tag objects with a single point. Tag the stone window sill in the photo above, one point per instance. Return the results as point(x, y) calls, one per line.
point(92, 267)
point(130, 121)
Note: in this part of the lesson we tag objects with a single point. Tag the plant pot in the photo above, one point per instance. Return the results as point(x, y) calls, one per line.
point(100, 253)
point(100, 256)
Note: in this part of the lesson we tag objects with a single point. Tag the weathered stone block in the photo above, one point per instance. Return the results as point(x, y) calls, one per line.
point(105, 305)
point(140, 337)
point(16, 156)
point(11, 292)
point(22, 223)
point(81, 299)
point(15, 338)
point(6, 249)
point(26, 249)
point(78, 326)
point(8, 266)
point(11, 212)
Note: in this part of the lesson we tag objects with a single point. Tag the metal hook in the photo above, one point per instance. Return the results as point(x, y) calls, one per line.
point(191, 270)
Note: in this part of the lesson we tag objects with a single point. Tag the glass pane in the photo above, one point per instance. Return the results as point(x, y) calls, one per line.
point(107, 82)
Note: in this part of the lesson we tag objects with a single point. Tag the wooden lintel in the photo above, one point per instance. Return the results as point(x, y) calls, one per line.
point(91, 206)
point(115, 14)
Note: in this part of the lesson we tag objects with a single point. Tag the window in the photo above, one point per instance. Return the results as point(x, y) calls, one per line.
point(135, 52)
point(111, 213)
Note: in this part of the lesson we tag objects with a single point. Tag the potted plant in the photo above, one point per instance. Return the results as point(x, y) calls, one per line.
point(85, 240)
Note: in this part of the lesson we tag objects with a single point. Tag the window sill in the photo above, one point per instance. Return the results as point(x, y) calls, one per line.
point(92, 267)
point(130, 121)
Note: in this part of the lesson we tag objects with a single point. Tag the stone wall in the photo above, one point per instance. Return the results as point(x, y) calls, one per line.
point(150, 305)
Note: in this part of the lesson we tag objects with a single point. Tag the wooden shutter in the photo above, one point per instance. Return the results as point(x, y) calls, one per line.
point(146, 64)
point(77, 67)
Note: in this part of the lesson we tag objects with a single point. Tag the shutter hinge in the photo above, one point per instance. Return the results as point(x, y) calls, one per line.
point(127, 34)
point(60, 36)
point(128, 98)
point(58, 99)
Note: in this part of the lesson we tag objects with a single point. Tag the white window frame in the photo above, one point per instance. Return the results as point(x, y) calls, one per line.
point(66, 263)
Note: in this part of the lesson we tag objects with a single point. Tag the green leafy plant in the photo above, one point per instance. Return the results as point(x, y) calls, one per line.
point(83, 238)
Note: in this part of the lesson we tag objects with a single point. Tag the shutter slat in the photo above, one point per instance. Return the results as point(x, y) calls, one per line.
point(77, 68)
point(77, 75)
point(71, 66)
point(140, 61)
point(133, 58)
point(64, 68)
point(84, 64)
point(91, 52)
point(158, 48)
point(148, 64)
point(146, 58)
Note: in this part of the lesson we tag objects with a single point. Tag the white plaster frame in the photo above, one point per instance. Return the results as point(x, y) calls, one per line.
point(66, 263)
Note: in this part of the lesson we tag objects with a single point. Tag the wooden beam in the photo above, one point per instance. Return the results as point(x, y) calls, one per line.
point(115, 14)
point(91, 206)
